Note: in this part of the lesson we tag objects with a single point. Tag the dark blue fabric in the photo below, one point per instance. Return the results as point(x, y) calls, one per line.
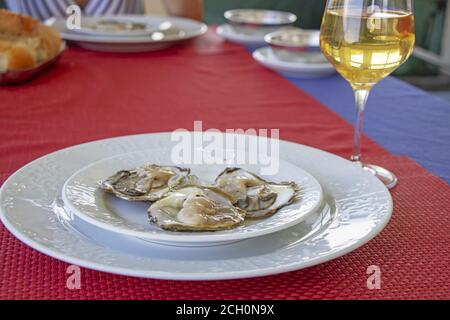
point(403, 119)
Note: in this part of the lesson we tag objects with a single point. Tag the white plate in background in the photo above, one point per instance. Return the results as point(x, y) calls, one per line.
point(126, 43)
point(254, 41)
point(289, 69)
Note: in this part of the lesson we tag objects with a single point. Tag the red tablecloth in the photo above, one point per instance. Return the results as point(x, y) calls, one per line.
point(90, 96)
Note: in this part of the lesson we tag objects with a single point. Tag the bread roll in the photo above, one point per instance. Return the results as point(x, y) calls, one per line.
point(25, 42)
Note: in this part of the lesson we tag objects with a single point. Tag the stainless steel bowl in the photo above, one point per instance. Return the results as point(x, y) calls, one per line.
point(251, 21)
point(21, 76)
point(295, 44)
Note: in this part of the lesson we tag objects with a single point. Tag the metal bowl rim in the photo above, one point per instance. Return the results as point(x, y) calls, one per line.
point(269, 39)
point(290, 17)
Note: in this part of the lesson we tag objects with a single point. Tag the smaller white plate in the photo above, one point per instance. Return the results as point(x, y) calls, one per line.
point(84, 199)
point(255, 40)
point(290, 69)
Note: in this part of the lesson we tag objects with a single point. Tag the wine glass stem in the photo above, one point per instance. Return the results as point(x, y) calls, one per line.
point(361, 96)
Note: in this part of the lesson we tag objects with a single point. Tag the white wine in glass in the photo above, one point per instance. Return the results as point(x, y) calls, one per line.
point(366, 40)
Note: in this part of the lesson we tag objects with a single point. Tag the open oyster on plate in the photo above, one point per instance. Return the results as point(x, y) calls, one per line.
point(259, 198)
point(196, 208)
point(146, 183)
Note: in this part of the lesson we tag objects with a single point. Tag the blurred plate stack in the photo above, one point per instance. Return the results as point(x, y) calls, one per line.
point(249, 26)
point(129, 33)
point(294, 53)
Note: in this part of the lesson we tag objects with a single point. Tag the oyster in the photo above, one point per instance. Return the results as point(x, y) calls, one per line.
point(195, 208)
point(146, 183)
point(259, 198)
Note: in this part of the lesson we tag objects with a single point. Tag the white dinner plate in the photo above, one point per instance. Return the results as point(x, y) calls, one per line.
point(83, 197)
point(252, 41)
point(290, 69)
point(357, 206)
point(125, 43)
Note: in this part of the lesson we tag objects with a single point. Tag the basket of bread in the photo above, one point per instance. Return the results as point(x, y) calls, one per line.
point(27, 47)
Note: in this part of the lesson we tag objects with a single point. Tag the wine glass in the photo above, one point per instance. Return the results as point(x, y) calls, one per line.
point(366, 40)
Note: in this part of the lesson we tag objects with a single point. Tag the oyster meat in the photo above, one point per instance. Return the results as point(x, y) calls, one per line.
point(146, 183)
point(259, 198)
point(196, 208)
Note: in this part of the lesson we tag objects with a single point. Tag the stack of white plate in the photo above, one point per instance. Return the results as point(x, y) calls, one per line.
point(54, 205)
point(248, 27)
point(294, 53)
point(137, 33)
point(251, 41)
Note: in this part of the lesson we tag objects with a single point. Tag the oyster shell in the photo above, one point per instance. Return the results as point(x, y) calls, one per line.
point(259, 198)
point(195, 208)
point(146, 183)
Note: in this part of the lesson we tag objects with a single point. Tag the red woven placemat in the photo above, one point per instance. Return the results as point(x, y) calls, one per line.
point(91, 95)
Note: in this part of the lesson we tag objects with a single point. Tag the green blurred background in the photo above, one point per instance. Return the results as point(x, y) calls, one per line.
point(429, 15)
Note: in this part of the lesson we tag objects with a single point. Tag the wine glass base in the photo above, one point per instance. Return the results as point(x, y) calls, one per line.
point(388, 178)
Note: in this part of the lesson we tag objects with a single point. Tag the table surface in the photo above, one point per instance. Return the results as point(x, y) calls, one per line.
point(90, 96)
point(403, 119)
